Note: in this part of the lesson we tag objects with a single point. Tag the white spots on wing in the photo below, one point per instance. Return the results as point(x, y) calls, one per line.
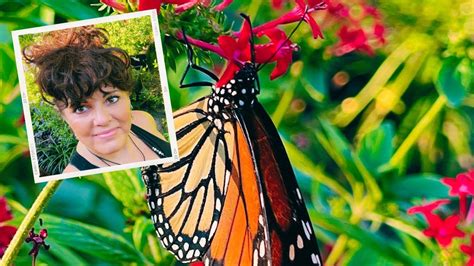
point(190, 254)
point(180, 239)
point(157, 192)
point(228, 86)
point(186, 246)
point(315, 259)
point(160, 231)
point(165, 242)
point(234, 93)
point(160, 218)
point(209, 117)
point(180, 254)
point(241, 103)
point(197, 253)
point(211, 101)
point(252, 101)
point(206, 262)
point(298, 193)
point(226, 180)
point(306, 232)
point(159, 201)
point(260, 219)
point(232, 81)
point(225, 116)
point(213, 228)
point(244, 91)
point(291, 252)
point(226, 102)
point(167, 225)
point(308, 225)
point(174, 247)
point(195, 239)
point(261, 250)
point(202, 242)
point(218, 123)
point(218, 204)
point(255, 257)
point(299, 242)
point(170, 238)
point(153, 218)
point(216, 108)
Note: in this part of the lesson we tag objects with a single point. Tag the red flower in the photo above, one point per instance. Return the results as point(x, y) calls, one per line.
point(236, 52)
point(115, 5)
point(280, 49)
point(351, 39)
point(427, 209)
point(149, 4)
point(462, 185)
point(469, 250)
point(443, 230)
point(6, 232)
point(301, 11)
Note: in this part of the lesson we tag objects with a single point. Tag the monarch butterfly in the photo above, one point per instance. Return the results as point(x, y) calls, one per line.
point(232, 198)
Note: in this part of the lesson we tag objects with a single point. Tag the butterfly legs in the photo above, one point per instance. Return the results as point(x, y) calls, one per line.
point(192, 65)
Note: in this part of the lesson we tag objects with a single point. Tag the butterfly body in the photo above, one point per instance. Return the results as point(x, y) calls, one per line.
point(232, 198)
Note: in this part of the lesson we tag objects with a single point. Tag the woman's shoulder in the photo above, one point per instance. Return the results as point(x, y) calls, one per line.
point(70, 168)
point(145, 121)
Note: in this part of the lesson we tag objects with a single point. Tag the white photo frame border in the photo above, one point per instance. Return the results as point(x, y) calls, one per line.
point(164, 90)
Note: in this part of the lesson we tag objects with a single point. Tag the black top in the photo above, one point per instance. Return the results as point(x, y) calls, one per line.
point(159, 146)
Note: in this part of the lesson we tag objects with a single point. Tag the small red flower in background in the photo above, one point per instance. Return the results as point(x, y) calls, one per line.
point(462, 185)
point(469, 250)
point(6, 231)
point(443, 230)
point(428, 209)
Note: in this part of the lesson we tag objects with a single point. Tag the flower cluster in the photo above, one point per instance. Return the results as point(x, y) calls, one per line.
point(180, 5)
point(38, 241)
point(445, 230)
point(6, 231)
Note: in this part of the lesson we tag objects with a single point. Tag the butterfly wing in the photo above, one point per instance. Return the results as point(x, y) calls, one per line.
point(185, 198)
point(292, 237)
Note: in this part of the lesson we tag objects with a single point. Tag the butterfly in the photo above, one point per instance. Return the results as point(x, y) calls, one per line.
point(232, 198)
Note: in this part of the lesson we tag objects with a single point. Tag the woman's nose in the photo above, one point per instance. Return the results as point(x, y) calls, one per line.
point(102, 116)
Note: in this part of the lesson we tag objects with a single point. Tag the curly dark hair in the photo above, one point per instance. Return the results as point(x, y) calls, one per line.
point(72, 64)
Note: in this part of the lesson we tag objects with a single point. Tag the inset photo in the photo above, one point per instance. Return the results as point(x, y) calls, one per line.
point(95, 96)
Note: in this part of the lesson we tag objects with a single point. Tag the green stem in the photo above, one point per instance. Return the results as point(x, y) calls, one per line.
point(29, 220)
point(252, 11)
point(418, 130)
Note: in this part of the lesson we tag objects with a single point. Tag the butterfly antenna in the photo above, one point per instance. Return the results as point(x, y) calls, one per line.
point(287, 39)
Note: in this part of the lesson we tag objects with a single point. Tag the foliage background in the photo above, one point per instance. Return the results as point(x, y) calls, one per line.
point(368, 136)
point(55, 142)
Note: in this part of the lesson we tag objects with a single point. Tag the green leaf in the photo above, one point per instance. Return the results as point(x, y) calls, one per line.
point(71, 9)
point(142, 227)
point(376, 147)
point(449, 81)
point(124, 186)
point(66, 255)
point(419, 186)
point(91, 240)
point(380, 247)
point(365, 256)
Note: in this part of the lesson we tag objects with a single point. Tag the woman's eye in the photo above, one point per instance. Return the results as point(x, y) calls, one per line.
point(113, 99)
point(81, 109)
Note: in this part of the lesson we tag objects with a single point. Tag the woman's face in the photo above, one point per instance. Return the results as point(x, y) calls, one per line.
point(102, 123)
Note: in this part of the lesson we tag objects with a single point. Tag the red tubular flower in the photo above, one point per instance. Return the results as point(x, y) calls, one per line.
point(351, 39)
point(301, 11)
point(463, 184)
point(427, 209)
point(6, 232)
point(280, 49)
point(149, 4)
point(118, 6)
point(443, 230)
point(469, 250)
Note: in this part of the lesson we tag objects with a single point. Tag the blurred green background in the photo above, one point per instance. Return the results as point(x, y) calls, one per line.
point(368, 135)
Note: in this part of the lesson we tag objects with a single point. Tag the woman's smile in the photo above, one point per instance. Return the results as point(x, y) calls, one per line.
point(107, 134)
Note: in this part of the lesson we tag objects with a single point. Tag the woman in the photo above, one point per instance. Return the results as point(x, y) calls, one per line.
point(90, 86)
